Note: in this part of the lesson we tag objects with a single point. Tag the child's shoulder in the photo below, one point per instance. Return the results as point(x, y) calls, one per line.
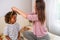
point(17, 24)
point(6, 27)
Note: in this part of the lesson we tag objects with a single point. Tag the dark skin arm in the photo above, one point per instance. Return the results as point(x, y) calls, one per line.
point(19, 35)
point(8, 38)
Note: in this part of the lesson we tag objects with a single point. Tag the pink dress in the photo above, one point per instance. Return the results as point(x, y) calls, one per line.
point(38, 29)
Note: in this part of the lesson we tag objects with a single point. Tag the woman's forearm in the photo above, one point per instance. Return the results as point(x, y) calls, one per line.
point(22, 13)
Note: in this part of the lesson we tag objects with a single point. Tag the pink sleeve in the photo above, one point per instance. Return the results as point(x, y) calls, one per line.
point(32, 17)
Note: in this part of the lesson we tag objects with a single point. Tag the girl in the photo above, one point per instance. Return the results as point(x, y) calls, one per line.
point(12, 30)
point(39, 22)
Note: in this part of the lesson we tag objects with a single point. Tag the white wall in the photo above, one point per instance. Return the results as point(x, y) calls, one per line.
point(5, 5)
point(33, 1)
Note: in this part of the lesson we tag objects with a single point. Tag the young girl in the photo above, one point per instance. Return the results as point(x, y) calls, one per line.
point(39, 22)
point(12, 30)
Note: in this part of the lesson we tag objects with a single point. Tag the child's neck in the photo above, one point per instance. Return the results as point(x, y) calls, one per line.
point(11, 23)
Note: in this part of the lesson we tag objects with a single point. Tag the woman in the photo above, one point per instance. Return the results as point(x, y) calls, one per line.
point(39, 22)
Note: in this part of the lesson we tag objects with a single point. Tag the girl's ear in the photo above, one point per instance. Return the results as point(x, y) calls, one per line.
point(9, 21)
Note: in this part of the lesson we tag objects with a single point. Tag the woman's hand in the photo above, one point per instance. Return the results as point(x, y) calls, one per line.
point(14, 9)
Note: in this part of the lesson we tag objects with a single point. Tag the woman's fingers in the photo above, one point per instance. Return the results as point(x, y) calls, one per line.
point(14, 9)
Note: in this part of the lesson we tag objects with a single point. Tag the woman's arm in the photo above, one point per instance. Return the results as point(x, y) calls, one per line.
point(28, 16)
point(20, 12)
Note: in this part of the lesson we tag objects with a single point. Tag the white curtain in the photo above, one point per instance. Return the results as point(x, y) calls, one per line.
point(52, 14)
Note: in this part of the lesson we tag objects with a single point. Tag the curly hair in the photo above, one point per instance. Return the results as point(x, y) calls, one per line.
point(9, 15)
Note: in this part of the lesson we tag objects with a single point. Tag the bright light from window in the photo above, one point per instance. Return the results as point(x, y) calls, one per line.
point(58, 7)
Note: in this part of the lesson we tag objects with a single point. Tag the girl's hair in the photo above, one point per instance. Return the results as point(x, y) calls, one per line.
point(9, 15)
point(40, 10)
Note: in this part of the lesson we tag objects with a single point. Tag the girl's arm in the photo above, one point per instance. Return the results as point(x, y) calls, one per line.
point(20, 12)
point(19, 38)
point(8, 38)
point(5, 33)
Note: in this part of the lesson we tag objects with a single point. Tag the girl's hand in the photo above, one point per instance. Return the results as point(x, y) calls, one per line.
point(19, 39)
point(8, 38)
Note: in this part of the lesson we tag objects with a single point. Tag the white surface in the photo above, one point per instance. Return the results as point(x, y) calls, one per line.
point(53, 37)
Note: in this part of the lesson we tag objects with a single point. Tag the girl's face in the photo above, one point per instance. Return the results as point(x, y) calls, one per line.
point(13, 19)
